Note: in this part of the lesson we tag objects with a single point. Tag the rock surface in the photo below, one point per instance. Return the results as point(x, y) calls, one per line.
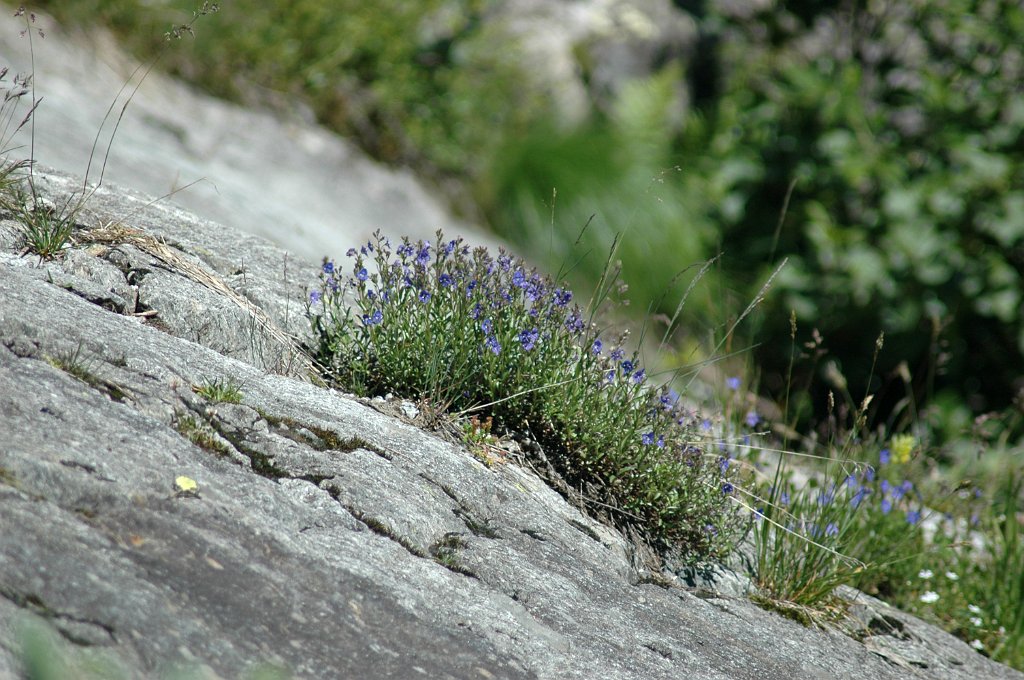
point(326, 537)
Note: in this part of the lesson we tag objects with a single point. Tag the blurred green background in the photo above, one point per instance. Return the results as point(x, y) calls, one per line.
point(890, 131)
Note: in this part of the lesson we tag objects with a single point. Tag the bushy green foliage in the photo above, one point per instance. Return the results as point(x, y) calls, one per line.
point(474, 333)
point(901, 125)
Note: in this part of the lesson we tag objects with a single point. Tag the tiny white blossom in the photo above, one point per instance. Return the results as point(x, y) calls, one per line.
point(929, 597)
point(925, 573)
point(952, 576)
point(977, 644)
point(974, 609)
point(975, 621)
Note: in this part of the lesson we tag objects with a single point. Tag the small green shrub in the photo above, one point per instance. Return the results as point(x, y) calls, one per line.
point(220, 390)
point(475, 333)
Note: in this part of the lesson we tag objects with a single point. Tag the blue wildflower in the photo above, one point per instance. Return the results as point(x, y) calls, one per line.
point(562, 297)
point(445, 281)
point(423, 257)
point(351, 252)
point(886, 506)
point(883, 457)
point(362, 274)
point(617, 354)
point(328, 267)
point(314, 296)
point(647, 438)
point(424, 296)
point(831, 529)
point(373, 320)
point(859, 497)
point(913, 517)
point(493, 344)
point(596, 347)
point(727, 489)
point(528, 338)
point(519, 279)
point(627, 367)
point(487, 326)
point(732, 383)
point(476, 311)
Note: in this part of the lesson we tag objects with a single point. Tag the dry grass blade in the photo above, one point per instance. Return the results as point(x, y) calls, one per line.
point(115, 233)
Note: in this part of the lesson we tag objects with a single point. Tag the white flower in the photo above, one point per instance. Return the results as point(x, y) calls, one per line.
point(925, 573)
point(974, 609)
point(929, 597)
point(952, 576)
point(975, 621)
point(977, 644)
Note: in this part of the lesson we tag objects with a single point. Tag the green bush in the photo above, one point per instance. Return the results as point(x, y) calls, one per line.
point(471, 333)
point(901, 125)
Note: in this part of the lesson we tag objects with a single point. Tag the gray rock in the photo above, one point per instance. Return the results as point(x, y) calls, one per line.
point(325, 537)
point(583, 53)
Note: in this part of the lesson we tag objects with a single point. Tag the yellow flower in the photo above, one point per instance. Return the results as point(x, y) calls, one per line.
point(901, 446)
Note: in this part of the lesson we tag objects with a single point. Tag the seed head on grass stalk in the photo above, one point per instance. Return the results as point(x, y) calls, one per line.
point(477, 333)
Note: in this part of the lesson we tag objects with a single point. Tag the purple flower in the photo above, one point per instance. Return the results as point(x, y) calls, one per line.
point(596, 347)
point(886, 506)
point(574, 323)
point(883, 457)
point(424, 297)
point(784, 498)
point(487, 326)
point(627, 367)
point(493, 344)
point(727, 489)
point(445, 281)
point(314, 296)
point(859, 497)
point(449, 247)
point(723, 464)
point(362, 274)
point(405, 250)
point(647, 438)
point(732, 383)
point(423, 257)
point(617, 354)
point(752, 418)
point(328, 267)
point(639, 376)
point(913, 517)
point(661, 441)
point(377, 317)
point(528, 338)
point(869, 474)
point(476, 311)
point(351, 252)
point(831, 529)
point(562, 297)
point(519, 279)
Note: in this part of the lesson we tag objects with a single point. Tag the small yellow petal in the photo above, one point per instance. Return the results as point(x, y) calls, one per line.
point(185, 484)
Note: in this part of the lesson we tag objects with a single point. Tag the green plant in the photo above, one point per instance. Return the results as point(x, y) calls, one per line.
point(220, 390)
point(200, 434)
point(486, 335)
